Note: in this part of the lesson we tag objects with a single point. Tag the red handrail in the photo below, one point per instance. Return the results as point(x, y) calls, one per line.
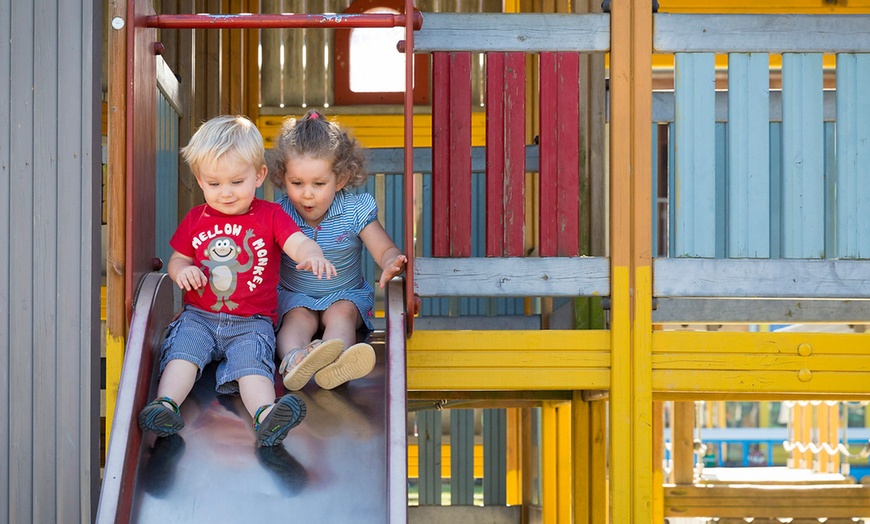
point(410, 302)
point(277, 21)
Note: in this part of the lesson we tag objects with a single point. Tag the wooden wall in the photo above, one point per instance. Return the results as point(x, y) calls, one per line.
point(50, 172)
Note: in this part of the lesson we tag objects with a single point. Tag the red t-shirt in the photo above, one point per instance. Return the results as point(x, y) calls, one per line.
point(239, 254)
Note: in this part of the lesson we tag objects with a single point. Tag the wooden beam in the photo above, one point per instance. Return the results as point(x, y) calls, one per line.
point(484, 32)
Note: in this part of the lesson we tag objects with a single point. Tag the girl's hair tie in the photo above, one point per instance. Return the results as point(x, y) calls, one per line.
point(313, 116)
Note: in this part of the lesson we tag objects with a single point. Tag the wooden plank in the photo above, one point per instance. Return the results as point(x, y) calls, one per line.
point(764, 311)
point(505, 154)
point(694, 189)
point(559, 185)
point(748, 179)
point(663, 106)
point(451, 158)
point(681, 33)
point(835, 501)
point(293, 71)
point(803, 182)
point(550, 276)
point(761, 278)
point(853, 155)
point(485, 32)
point(270, 69)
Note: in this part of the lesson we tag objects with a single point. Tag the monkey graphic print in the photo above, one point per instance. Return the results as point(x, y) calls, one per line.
point(239, 254)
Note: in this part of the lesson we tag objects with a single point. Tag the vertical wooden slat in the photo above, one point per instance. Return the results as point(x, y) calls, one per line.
point(748, 141)
point(694, 188)
point(494, 457)
point(293, 73)
point(803, 184)
point(20, 292)
point(429, 464)
point(505, 154)
point(461, 457)
point(451, 154)
point(43, 259)
point(560, 205)
point(270, 70)
point(853, 156)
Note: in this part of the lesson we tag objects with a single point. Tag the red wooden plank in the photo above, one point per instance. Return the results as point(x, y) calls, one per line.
point(505, 154)
point(440, 153)
point(559, 154)
point(568, 238)
point(451, 155)
point(460, 154)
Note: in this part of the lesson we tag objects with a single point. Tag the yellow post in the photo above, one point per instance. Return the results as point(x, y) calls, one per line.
point(631, 278)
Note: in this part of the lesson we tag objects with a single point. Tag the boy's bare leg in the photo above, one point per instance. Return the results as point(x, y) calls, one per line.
point(257, 391)
point(177, 380)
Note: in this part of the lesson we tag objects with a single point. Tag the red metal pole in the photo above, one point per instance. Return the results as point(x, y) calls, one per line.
point(287, 20)
point(410, 298)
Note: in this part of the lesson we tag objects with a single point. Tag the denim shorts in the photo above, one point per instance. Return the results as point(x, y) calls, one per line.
point(242, 346)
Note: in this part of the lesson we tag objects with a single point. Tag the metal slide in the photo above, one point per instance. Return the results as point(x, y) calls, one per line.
point(333, 468)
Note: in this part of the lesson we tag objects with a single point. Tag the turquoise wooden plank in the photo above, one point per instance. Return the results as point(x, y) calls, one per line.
point(853, 156)
point(803, 185)
point(655, 189)
point(694, 187)
point(166, 171)
point(429, 456)
point(748, 179)
point(720, 163)
point(775, 190)
point(461, 457)
point(494, 457)
point(830, 129)
point(672, 182)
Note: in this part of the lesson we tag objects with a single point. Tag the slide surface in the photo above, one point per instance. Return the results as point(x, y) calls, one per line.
point(331, 468)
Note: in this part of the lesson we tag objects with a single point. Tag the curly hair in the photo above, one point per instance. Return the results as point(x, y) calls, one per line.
point(314, 136)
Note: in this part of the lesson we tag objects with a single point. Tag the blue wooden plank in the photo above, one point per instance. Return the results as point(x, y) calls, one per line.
point(429, 456)
point(748, 141)
point(494, 457)
point(720, 162)
point(166, 180)
point(775, 190)
point(853, 156)
point(695, 186)
point(830, 155)
point(803, 186)
point(461, 457)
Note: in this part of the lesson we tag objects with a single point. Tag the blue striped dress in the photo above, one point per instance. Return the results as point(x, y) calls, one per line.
point(338, 236)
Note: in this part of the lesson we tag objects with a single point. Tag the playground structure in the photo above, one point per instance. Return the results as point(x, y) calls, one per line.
point(768, 242)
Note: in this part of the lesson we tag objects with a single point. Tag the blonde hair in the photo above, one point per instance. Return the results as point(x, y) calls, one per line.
point(315, 137)
point(225, 135)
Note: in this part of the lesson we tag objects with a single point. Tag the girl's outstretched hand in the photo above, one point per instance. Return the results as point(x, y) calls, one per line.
point(393, 268)
point(319, 266)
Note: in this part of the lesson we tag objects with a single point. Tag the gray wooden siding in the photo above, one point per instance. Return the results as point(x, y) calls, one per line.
point(49, 300)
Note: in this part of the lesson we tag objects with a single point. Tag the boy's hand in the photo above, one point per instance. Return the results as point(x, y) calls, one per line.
point(393, 268)
point(191, 278)
point(319, 266)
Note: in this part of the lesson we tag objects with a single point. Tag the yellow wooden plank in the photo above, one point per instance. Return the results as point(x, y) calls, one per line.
point(764, 385)
point(588, 340)
point(771, 343)
point(768, 6)
point(378, 130)
point(414, 460)
point(751, 361)
point(489, 379)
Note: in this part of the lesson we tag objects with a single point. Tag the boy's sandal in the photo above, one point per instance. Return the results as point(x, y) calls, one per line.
point(300, 364)
point(357, 362)
point(161, 416)
point(288, 412)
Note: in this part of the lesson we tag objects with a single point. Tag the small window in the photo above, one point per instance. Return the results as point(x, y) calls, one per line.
point(368, 68)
